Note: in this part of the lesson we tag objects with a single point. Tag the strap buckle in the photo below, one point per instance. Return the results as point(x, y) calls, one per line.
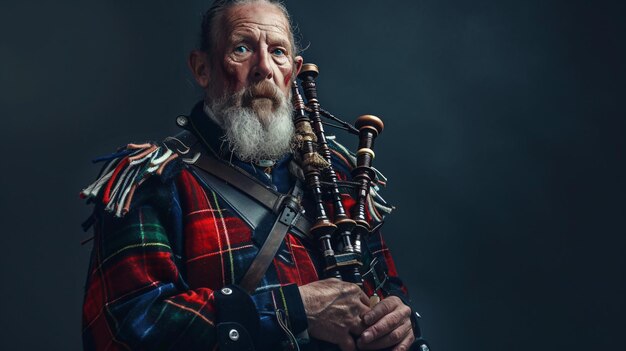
point(291, 210)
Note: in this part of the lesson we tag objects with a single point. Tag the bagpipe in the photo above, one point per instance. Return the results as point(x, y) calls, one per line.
point(341, 240)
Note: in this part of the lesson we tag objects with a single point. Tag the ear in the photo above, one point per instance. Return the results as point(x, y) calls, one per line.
point(199, 65)
point(297, 62)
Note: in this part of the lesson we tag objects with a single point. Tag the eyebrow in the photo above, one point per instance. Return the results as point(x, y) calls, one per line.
point(244, 35)
point(279, 41)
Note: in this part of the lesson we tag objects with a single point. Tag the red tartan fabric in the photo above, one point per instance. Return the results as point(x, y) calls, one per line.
point(139, 295)
point(216, 239)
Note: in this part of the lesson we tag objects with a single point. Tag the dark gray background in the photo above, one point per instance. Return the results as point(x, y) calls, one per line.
point(503, 145)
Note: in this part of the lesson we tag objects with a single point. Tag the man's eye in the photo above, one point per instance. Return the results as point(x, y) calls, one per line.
point(241, 49)
point(279, 52)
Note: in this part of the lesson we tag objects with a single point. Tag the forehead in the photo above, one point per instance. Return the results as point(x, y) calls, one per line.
point(255, 18)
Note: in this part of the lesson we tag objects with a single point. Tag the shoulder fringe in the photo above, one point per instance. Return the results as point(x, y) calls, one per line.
point(378, 207)
point(125, 171)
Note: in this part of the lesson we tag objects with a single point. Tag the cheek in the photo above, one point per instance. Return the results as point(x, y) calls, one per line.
point(287, 73)
point(287, 80)
point(236, 73)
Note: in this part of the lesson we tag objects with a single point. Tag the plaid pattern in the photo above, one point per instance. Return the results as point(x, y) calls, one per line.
point(136, 295)
point(139, 295)
point(154, 273)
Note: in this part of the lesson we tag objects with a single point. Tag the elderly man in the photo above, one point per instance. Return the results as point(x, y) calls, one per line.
point(172, 244)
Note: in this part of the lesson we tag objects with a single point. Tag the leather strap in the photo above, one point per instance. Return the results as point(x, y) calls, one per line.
point(291, 210)
point(253, 214)
point(286, 207)
point(241, 181)
point(237, 178)
point(245, 183)
point(245, 207)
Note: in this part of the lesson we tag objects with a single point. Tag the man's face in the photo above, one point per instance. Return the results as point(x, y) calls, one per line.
point(247, 78)
point(252, 46)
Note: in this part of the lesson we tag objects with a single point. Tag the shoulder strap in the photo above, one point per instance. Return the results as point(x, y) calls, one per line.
point(234, 177)
point(222, 177)
point(290, 212)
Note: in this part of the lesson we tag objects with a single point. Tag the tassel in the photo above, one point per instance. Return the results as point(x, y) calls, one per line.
point(107, 191)
point(123, 175)
point(168, 160)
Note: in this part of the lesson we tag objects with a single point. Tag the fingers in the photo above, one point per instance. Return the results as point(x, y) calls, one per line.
point(357, 328)
point(405, 344)
point(359, 301)
point(364, 298)
point(384, 326)
point(334, 309)
point(383, 308)
point(394, 322)
point(395, 337)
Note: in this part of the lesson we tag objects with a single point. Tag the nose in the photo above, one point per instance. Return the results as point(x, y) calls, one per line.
point(262, 68)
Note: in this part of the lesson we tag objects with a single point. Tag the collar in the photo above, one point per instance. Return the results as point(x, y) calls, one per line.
point(207, 111)
point(206, 130)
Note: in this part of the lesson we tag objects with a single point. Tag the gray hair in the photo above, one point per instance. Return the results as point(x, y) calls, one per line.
point(213, 15)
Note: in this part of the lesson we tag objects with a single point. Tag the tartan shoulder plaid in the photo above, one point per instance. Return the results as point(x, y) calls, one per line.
point(166, 247)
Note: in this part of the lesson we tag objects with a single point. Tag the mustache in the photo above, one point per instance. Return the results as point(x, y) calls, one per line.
point(262, 89)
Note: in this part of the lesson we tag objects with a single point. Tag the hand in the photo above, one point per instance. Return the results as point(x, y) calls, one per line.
point(333, 309)
point(389, 324)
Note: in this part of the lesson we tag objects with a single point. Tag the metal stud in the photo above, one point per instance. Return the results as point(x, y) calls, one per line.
point(182, 121)
point(226, 291)
point(233, 334)
point(423, 347)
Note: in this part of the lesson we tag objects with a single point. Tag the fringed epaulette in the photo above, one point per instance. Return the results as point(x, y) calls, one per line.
point(126, 170)
point(378, 207)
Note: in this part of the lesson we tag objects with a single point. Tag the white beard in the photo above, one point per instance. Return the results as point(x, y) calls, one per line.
point(254, 136)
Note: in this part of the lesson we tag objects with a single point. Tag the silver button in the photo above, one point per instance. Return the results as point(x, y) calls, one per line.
point(226, 291)
point(233, 334)
point(182, 121)
point(424, 348)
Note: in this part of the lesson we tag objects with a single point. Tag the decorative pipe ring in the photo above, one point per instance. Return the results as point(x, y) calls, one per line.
point(309, 69)
point(366, 150)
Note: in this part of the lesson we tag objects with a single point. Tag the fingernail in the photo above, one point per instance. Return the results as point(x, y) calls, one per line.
point(366, 336)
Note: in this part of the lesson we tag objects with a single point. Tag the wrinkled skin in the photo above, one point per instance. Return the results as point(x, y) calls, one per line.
point(338, 312)
point(254, 45)
point(388, 324)
point(334, 309)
